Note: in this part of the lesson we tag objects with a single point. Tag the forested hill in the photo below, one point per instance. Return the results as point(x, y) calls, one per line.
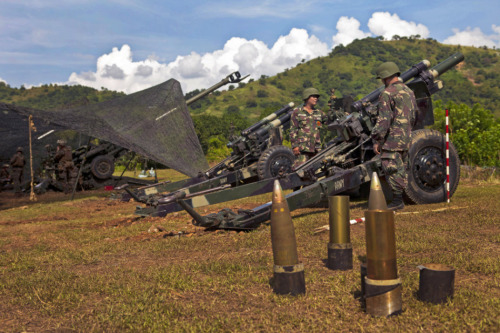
point(349, 69)
point(53, 96)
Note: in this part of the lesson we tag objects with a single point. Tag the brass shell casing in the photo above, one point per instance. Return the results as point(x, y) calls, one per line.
point(376, 200)
point(282, 231)
point(380, 245)
point(383, 301)
point(338, 212)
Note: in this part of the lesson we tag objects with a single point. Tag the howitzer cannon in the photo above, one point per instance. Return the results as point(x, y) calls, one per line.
point(349, 160)
point(97, 162)
point(256, 154)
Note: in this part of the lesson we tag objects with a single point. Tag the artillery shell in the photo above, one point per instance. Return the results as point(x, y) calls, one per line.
point(340, 247)
point(376, 200)
point(382, 284)
point(288, 272)
point(380, 245)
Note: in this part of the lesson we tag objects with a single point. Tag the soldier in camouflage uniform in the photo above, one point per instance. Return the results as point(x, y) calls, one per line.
point(48, 164)
point(17, 162)
point(5, 179)
point(391, 135)
point(306, 122)
point(66, 170)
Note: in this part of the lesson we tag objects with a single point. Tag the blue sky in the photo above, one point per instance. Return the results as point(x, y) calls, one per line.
point(130, 45)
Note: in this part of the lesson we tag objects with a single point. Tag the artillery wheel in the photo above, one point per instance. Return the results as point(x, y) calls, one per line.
point(102, 167)
point(275, 161)
point(427, 174)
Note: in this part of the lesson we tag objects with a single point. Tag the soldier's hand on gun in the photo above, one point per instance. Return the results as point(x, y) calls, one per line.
point(376, 148)
point(296, 151)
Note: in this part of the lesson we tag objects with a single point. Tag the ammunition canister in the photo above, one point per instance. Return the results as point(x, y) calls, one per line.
point(436, 284)
point(339, 247)
point(376, 200)
point(382, 284)
point(288, 272)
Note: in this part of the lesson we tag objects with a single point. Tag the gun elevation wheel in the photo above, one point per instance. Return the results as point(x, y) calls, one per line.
point(427, 174)
point(102, 167)
point(275, 161)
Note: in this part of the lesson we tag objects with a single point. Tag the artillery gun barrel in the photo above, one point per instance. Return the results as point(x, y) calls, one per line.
point(447, 64)
point(267, 119)
point(409, 74)
point(264, 131)
point(231, 78)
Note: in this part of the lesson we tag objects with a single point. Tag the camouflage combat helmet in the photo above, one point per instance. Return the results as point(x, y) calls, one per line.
point(21, 149)
point(387, 69)
point(308, 92)
point(61, 142)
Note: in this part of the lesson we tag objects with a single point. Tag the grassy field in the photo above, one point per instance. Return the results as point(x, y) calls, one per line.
point(91, 265)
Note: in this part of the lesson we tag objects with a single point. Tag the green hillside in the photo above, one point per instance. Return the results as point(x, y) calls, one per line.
point(53, 96)
point(350, 70)
point(471, 90)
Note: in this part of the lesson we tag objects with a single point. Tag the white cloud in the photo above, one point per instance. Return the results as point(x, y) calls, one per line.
point(348, 30)
point(118, 71)
point(387, 25)
point(475, 37)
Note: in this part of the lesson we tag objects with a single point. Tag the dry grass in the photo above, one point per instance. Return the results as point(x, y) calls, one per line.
point(91, 265)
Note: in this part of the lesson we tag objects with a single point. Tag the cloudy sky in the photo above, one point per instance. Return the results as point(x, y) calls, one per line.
point(130, 45)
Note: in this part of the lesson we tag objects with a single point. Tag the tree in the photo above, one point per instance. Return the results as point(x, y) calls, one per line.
point(474, 131)
point(262, 93)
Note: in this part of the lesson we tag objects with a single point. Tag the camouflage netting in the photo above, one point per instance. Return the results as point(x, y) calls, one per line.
point(130, 122)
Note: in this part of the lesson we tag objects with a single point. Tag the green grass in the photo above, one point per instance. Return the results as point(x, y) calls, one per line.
point(91, 265)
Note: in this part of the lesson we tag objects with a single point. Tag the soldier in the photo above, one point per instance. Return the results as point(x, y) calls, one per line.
point(305, 125)
point(4, 177)
point(48, 163)
point(391, 134)
point(17, 163)
point(66, 171)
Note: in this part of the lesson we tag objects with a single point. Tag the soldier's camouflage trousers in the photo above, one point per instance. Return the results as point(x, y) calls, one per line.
point(302, 158)
point(395, 166)
point(17, 179)
point(67, 174)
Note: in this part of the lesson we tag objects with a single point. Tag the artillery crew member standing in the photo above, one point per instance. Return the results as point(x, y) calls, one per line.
point(306, 122)
point(66, 171)
point(391, 134)
point(17, 163)
point(48, 163)
point(4, 177)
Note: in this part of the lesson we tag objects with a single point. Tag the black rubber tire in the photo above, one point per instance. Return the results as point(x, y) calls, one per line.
point(275, 161)
point(102, 167)
point(427, 172)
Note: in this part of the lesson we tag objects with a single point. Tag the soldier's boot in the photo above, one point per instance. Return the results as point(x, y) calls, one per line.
point(397, 202)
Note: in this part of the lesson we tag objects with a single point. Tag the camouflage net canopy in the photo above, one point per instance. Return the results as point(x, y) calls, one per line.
point(154, 123)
